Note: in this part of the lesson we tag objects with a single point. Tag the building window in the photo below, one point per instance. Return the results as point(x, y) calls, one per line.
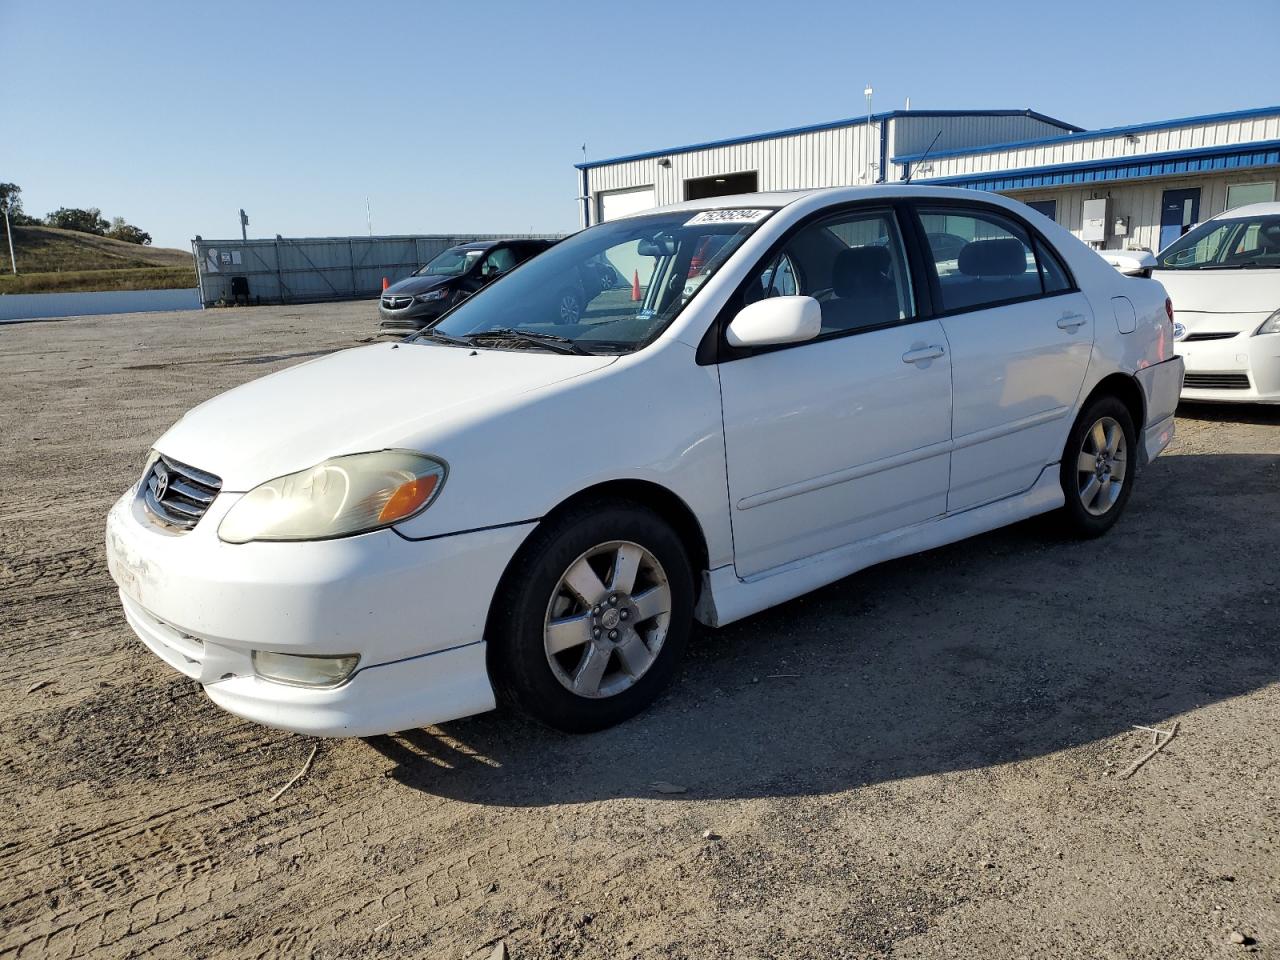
point(1238, 194)
point(1048, 208)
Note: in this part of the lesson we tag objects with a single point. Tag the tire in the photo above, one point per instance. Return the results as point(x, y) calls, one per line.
point(1093, 502)
point(575, 666)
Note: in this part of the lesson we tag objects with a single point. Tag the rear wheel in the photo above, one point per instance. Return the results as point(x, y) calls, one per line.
point(1098, 467)
point(592, 617)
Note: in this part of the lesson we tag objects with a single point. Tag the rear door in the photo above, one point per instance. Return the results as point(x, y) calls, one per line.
point(847, 436)
point(1020, 334)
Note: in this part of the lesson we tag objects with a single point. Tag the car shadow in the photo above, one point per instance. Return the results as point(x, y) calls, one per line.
point(1008, 646)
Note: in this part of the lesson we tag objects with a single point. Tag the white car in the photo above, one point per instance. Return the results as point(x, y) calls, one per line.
point(513, 505)
point(1224, 279)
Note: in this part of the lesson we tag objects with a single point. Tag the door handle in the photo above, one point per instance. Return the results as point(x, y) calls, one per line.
point(1071, 321)
point(922, 354)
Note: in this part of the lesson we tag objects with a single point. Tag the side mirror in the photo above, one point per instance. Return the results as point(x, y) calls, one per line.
point(775, 320)
point(1132, 263)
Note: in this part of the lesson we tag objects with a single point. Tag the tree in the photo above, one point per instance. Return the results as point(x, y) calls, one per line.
point(83, 221)
point(121, 230)
point(11, 200)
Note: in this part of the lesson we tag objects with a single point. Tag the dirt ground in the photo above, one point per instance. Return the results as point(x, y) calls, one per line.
point(919, 761)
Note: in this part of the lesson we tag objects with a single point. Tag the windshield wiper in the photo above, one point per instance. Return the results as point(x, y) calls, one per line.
point(442, 337)
point(551, 341)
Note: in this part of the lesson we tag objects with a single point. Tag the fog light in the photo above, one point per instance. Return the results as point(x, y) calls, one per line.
point(302, 670)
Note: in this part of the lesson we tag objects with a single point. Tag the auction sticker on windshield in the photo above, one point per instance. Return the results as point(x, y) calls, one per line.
point(728, 216)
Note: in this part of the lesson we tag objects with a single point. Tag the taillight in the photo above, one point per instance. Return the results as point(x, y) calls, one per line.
point(1168, 308)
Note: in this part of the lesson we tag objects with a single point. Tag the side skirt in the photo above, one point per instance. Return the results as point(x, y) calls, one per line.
point(726, 598)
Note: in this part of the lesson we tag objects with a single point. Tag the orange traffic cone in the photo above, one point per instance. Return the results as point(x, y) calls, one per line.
point(635, 285)
point(385, 283)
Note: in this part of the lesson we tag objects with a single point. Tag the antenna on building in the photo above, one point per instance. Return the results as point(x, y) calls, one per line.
point(923, 157)
point(368, 213)
point(908, 106)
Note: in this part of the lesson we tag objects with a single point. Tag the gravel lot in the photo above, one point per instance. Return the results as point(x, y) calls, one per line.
point(919, 761)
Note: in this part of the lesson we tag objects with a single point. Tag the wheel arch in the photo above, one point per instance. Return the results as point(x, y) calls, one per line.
point(669, 505)
point(661, 500)
point(1127, 390)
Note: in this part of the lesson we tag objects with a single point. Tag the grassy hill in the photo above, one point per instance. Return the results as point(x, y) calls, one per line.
point(51, 259)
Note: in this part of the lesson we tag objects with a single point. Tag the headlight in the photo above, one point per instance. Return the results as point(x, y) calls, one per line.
point(432, 295)
point(337, 498)
point(1270, 325)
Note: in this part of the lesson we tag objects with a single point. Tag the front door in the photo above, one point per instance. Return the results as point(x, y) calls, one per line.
point(845, 437)
point(1179, 212)
point(1020, 337)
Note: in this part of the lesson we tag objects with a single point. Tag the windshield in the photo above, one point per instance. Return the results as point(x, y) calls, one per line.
point(451, 263)
point(1239, 244)
point(611, 288)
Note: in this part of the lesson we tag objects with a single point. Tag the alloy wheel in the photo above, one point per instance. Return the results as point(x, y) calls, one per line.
point(1101, 466)
point(569, 310)
point(607, 619)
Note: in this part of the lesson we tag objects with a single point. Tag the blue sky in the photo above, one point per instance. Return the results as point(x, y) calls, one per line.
point(469, 116)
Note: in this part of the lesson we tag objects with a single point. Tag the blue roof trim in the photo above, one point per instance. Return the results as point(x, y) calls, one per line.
point(1201, 160)
point(819, 127)
point(1093, 134)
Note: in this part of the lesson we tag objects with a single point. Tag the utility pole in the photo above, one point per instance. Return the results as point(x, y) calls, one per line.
point(244, 223)
point(8, 229)
point(870, 162)
point(368, 212)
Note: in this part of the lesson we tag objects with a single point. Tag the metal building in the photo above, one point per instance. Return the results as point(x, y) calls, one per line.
point(1137, 186)
point(840, 153)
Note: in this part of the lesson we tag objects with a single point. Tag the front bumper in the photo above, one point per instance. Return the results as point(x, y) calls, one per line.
point(413, 611)
point(413, 317)
point(1240, 369)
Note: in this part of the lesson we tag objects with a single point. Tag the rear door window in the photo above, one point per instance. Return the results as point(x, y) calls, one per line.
point(980, 258)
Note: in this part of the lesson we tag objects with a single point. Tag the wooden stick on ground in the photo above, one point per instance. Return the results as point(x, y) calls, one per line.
point(305, 767)
point(1133, 767)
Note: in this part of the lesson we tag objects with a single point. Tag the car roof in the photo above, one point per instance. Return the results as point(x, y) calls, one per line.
point(1266, 209)
point(777, 199)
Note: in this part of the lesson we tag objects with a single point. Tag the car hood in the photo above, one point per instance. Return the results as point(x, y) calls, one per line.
point(412, 285)
point(368, 398)
point(1221, 291)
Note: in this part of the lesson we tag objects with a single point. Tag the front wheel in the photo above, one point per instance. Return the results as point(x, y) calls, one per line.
point(593, 617)
point(1098, 467)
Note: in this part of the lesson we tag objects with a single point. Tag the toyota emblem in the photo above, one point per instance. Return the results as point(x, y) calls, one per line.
point(1179, 331)
point(162, 483)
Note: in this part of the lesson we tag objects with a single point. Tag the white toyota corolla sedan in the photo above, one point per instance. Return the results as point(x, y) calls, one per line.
point(1224, 278)
point(521, 505)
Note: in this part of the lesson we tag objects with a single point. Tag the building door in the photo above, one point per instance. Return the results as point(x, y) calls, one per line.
point(721, 186)
point(1048, 208)
point(622, 203)
point(1179, 212)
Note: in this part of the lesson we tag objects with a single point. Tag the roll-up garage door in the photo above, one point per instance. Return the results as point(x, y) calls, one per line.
point(620, 203)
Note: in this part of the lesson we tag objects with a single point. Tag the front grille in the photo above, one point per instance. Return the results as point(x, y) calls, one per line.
point(1217, 381)
point(178, 495)
point(1193, 337)
point(396, 303)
